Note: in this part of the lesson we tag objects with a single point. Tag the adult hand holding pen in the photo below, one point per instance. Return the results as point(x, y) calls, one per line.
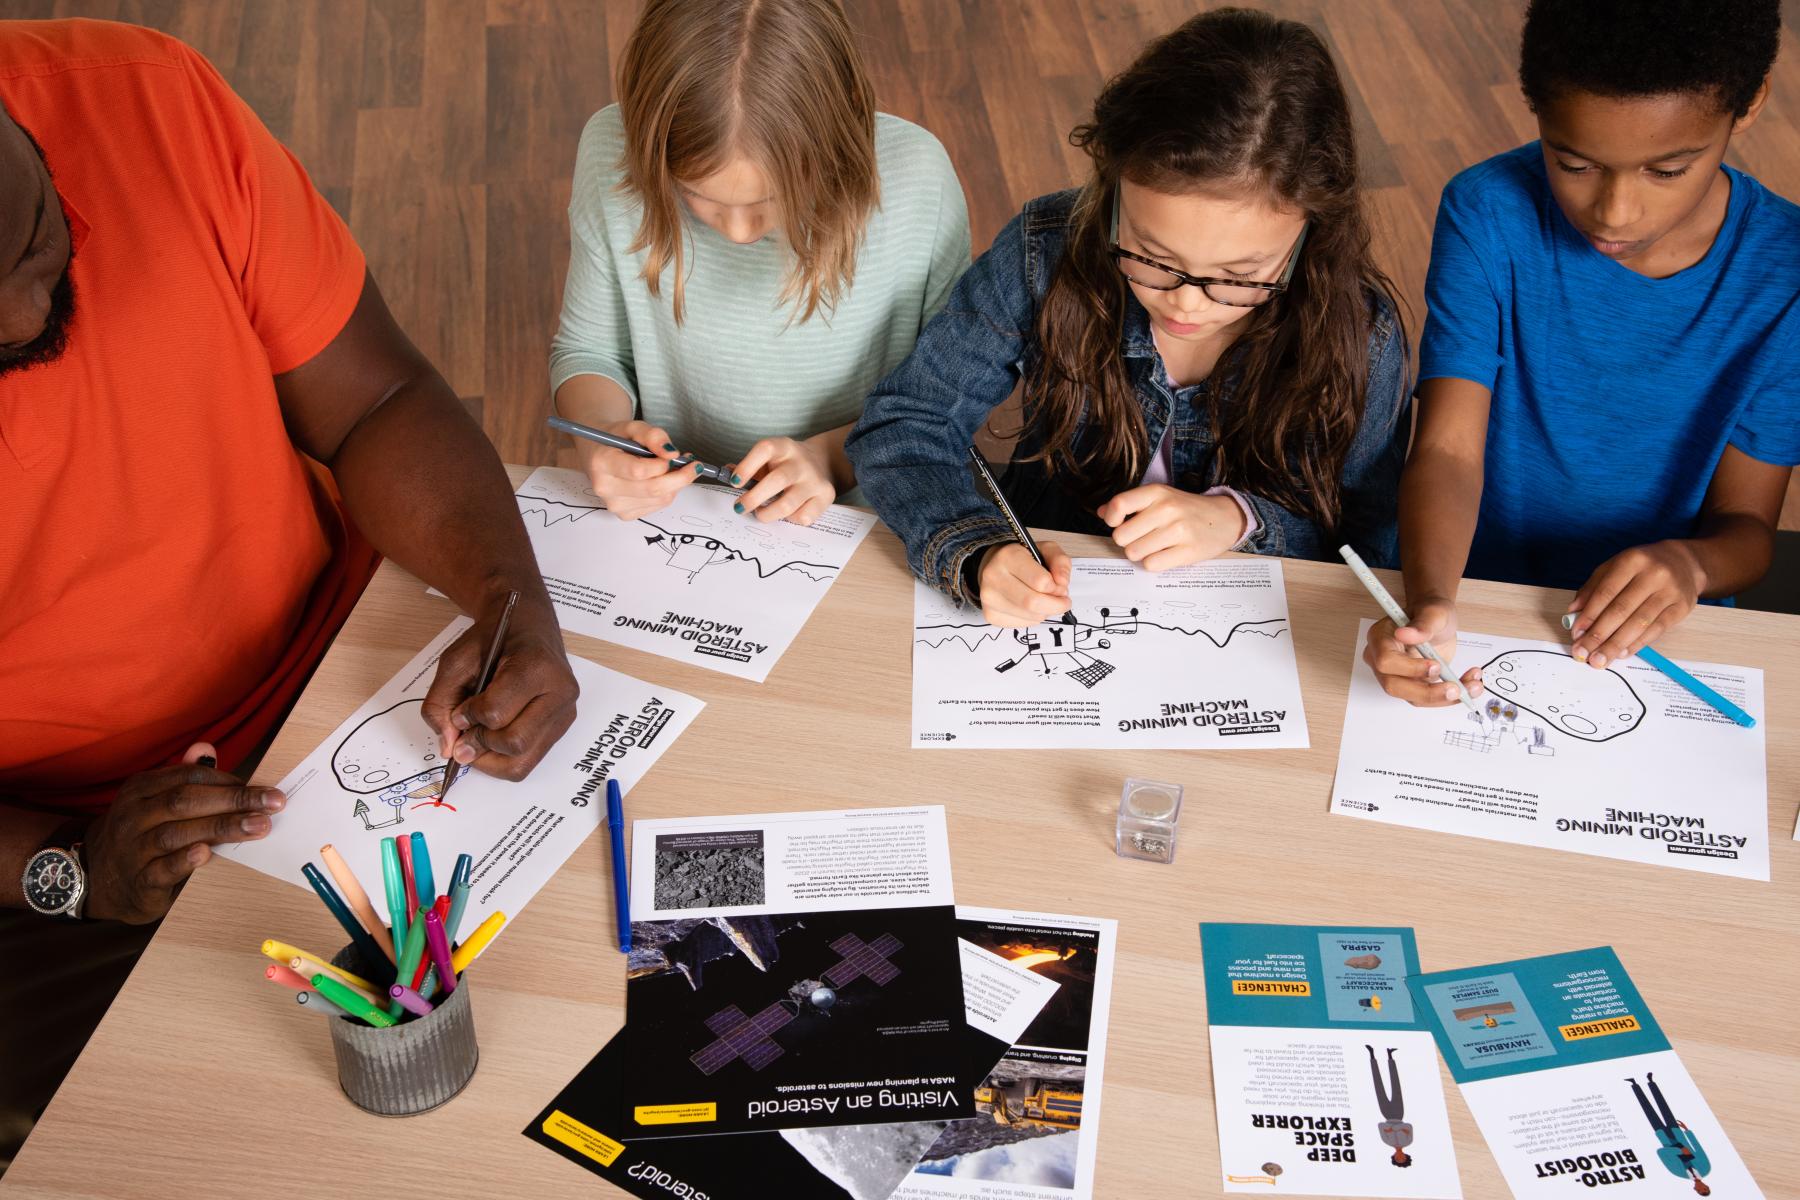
point(505, 728)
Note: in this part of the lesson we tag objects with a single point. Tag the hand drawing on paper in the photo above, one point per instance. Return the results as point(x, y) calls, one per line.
point(392, 755)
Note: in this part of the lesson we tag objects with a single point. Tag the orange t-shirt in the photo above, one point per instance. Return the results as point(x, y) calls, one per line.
point(171, 567)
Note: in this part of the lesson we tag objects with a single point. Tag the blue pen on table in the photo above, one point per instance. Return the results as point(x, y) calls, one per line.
point(1398, 616)
point(1683, 678)
point(703, 470)
point(615, 822)
point(422, 879)
point(372, 954)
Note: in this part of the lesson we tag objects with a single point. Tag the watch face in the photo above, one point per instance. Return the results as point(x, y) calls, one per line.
point(51, 881)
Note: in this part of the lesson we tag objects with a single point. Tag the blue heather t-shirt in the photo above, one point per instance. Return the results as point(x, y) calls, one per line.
point(1613, 394)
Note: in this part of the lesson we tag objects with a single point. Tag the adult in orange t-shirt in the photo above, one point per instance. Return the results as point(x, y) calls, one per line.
point(209, 425)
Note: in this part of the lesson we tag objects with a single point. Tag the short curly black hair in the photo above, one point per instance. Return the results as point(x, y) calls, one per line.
point(1719, 48)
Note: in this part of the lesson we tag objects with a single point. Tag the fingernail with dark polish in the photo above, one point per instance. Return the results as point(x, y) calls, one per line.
point(735, 480)
point(699, 468)
point(737, 508)
point(669, 446)
point(207, 760)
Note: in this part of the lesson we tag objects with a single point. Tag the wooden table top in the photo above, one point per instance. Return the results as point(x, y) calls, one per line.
point(205, 1080)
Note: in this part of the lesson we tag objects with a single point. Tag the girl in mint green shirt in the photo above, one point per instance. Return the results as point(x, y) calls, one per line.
point(752, 248)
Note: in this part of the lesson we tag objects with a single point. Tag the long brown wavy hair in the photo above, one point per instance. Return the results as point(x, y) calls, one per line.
point(781, 81)
point(1234, 103)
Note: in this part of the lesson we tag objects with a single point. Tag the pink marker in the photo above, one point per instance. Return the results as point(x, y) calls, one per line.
point(287, 977)
point(439, 945)
point(410, 1000)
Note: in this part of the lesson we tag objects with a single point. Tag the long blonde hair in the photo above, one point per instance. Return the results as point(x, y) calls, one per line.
point(780, 81)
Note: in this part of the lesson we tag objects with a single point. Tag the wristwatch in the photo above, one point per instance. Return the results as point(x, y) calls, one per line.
point(55, 883)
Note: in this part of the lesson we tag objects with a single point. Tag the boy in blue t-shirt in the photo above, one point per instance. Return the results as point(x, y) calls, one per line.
point(1610, 368)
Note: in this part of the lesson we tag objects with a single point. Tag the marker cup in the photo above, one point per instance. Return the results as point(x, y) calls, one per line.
point(412, 1067)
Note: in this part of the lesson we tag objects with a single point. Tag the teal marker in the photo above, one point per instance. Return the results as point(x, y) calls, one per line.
point(1684, 679)
point(422, 879)
point(396, 894)
point(460, 887)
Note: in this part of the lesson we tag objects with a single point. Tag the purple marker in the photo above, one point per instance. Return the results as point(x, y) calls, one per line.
point(409, 999)
point(439, 945)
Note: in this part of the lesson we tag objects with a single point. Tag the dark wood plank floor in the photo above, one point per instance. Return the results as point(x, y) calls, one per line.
point(445, 130)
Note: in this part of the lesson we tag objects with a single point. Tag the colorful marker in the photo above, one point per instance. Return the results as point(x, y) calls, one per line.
point(286, 976)
point(421, 865)
point(439, 946)
point(398, 908)
point(357, 899)
point(411, 958)
point(411, 1000)
point(315, 1003)
point(366, 946)
point(1686, 680)
point(403, 846)
point(459, 900)
point(476, 943)
point(308, 966)
point(351, 1001)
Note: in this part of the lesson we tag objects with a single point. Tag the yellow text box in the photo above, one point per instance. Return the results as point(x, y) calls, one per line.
point(1594, 1029)
point(675, 1114)
point(583, 1139)
point(1270, 987)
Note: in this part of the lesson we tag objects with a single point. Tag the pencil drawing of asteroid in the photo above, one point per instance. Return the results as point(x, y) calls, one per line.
point(1595, 706)
point(393, 753)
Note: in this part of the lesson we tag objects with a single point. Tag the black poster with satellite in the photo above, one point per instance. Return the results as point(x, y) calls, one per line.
point(796, 1020)
point(808, 1164)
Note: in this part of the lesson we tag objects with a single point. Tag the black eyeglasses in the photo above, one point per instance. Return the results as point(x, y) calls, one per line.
point(1238, 293)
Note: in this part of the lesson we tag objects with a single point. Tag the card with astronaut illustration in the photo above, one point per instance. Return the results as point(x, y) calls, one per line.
point(1574, 1084)
point(1621, 762)
point(1325, 1077)
point(379, 774)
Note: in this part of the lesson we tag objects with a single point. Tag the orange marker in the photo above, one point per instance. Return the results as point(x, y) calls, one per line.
point(357, 899)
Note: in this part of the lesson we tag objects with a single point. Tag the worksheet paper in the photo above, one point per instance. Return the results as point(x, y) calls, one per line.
point(1573, 1083)
point(695, 582)
point(1037, 1129)
point(792, 970)
point(855, 1162)
point(379, 774)
point(1622, 762)
point(1199, 657)
point(1325, 1078)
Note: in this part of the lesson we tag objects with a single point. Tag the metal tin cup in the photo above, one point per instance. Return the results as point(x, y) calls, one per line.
point(412, 1067)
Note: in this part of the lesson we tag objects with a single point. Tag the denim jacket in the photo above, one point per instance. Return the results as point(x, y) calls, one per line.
point(910, 448)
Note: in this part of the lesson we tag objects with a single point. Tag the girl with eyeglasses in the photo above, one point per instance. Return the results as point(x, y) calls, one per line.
point(1210, 358)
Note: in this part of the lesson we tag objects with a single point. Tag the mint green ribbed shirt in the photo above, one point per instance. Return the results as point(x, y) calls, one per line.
point(739, 368)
